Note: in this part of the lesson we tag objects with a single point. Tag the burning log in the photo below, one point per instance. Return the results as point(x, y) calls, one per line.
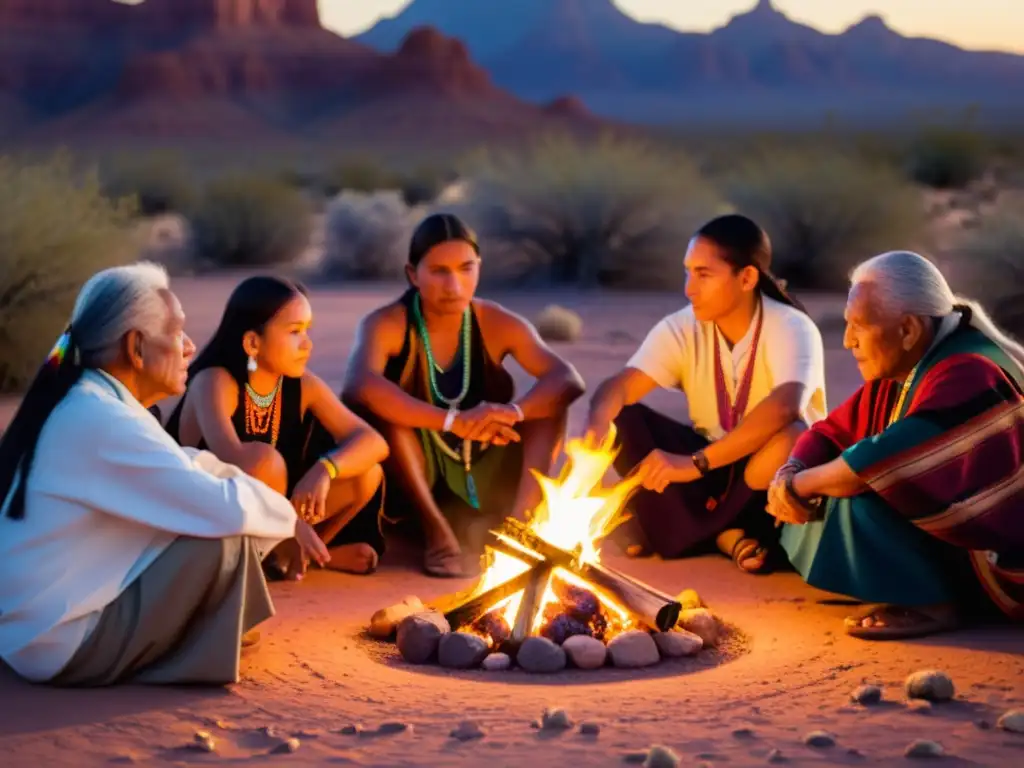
point(466, 609)
point(540, 575)
point(655, 609)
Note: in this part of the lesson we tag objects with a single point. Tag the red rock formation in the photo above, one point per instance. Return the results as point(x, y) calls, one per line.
point(428, 61)
point(228, 14)
point(60, 13)
point(568, 106)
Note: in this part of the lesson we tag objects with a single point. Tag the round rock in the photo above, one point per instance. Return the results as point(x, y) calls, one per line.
point(497, 662)
point(1012, 721)
point(819, 739)
point(385, 621)
point(866, 694)
point(585, 652)
point(590, 729)
point(467, 731)
point(701, 622)
point(924, 748)
point(419, 636)
point(538, 654)
point(661, 757)
point(678, 642)
point(460, 650)
point(633, 649)
point(930, 685)
point(555, 719)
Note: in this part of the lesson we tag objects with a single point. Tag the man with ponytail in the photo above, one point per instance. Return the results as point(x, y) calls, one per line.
point(122, 555)
point(911, 494)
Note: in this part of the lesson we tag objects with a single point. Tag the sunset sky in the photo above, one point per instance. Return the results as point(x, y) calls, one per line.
point(989, 24)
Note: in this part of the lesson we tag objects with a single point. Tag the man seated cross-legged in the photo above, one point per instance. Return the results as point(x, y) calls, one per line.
point(750, 363)
point(909, 496)
point(428, 372)
point(122, 555)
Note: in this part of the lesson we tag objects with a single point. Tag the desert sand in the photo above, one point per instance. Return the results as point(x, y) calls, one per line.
point(789, 672)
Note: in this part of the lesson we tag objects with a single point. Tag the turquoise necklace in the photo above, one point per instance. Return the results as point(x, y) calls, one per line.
point(452, 404)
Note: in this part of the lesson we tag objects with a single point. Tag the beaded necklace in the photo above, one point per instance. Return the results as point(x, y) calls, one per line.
point(895, 415)
point(263, 412)
point(453, 403)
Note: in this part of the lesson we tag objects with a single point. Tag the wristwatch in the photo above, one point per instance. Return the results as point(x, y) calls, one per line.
point(700, 462)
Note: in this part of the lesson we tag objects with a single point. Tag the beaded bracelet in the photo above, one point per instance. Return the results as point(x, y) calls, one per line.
point(330, 466)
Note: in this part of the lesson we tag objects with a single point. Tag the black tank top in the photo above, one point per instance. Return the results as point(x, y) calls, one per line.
point(293, 435)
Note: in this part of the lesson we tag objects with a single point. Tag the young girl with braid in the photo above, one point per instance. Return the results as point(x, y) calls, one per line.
point(427, 371)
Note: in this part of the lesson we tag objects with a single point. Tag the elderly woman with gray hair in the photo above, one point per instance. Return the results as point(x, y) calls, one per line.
point(910, 496)
point(122, 555)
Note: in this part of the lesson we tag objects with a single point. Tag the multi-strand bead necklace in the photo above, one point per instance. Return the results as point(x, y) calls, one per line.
point(263, 412)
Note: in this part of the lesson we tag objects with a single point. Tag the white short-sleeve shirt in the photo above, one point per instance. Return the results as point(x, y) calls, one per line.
point(679, 353)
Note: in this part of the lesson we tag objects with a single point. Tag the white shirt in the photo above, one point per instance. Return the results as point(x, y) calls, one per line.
point(679, 353)
point(108, 492)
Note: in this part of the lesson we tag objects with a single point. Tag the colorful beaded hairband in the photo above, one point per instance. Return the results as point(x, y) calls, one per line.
point(60, 349)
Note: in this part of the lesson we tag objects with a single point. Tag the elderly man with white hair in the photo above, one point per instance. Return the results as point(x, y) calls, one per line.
point(910, 496)
point(122, 555)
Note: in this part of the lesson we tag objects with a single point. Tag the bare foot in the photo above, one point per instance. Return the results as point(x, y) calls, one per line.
point(287, 556)
point(353, 558)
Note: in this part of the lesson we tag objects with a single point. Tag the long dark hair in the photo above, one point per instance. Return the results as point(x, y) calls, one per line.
point(743, 243)
point(253, 304)
point(436, 229)
point(110, 304)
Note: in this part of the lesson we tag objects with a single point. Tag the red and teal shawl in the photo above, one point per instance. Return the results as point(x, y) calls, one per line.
point(952, 463)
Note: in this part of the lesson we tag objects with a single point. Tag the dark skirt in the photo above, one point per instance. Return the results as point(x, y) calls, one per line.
point(687, 517)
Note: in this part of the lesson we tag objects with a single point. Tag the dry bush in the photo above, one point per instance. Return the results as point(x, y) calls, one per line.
point(825, 212)
point(556, 323)
point(946, 158)
point(615, 212)
point(159, 182)
point(367, 235)
point(250, 221)
point(989, 266)
point(56, 230)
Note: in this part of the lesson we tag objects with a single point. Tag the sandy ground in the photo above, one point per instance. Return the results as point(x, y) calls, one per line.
point(314, 673)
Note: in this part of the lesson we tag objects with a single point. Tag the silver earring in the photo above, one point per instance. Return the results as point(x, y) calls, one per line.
point(251, 364)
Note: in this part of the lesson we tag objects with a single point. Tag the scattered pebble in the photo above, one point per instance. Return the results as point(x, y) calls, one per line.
point(924, 748)
point(203, 741)
point(590, 729)
point(419, 636)
point(352, 729)
point(585, 652)
point(701, 622)
point(776, 756)
point(661, 757)
point(819, 739)
point(930, 685)
point(467, 731)
point(269, 730)
point(461, 650)
point(634, 758)
point(982, 725)
point(633, 649)
point(286, 747)
point(385, 621)
point(678, 643)
point(1012, 721)
point(743, 733)
point(497, 662)
point(866, 695)
point(555, 719)
point(538, 654)
point(393, 726)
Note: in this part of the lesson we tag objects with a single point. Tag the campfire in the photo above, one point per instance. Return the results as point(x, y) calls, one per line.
point(543, 584)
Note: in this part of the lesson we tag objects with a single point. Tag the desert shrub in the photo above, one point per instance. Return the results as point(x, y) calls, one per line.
point(615, 212)
point(358, 176)
point(946, 158)
point(826, 211)
point(988, 265)
point(160, 183)
point(367, 235)
point(250, 220)
point(56, 230)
